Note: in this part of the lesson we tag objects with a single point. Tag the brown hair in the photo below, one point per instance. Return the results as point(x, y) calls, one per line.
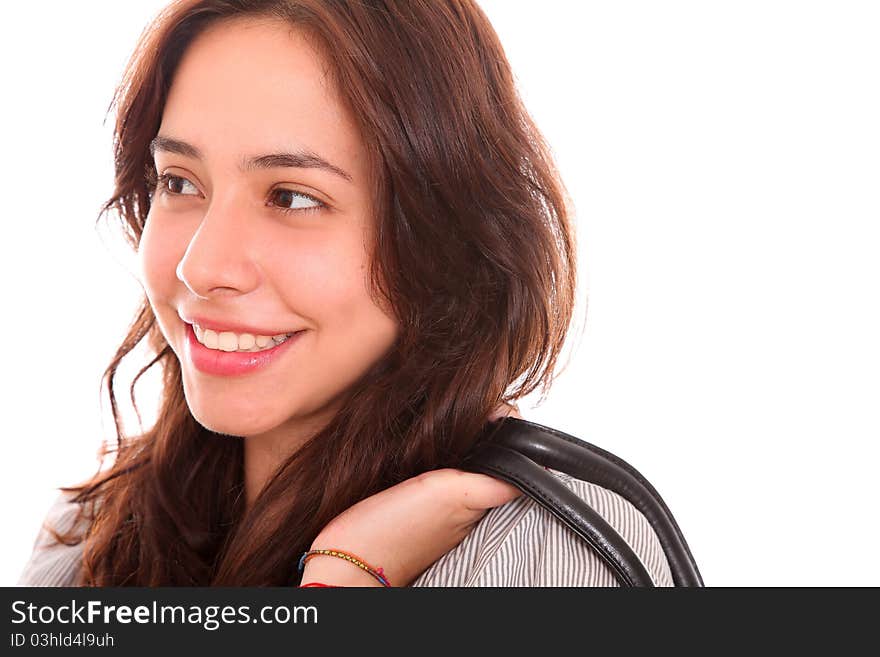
point(474, 253)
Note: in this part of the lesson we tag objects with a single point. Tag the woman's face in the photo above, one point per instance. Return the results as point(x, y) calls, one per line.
point(247, 124)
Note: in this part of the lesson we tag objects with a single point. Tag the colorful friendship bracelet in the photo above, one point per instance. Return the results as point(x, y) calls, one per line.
point(329, 586)
point(375, 572)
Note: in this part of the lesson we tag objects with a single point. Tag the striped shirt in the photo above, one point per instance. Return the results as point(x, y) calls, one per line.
point(516, 544)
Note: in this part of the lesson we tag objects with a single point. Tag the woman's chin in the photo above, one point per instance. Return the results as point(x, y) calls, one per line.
point(223, 419)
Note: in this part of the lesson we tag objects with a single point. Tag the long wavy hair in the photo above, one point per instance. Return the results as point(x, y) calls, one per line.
point(474, 253)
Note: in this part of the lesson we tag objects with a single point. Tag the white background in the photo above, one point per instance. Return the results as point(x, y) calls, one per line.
point(723, 159)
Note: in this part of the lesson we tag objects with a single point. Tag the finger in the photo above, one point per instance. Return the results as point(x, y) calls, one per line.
point(480, 491)
point(503, 410)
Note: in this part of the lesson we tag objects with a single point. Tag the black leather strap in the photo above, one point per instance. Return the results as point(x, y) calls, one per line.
point(553, 495)
point(514, 450)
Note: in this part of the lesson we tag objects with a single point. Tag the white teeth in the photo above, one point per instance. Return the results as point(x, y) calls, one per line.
point(229, 341)
point(210, 339)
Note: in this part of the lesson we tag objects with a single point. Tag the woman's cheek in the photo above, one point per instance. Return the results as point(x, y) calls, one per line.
point(159, 252)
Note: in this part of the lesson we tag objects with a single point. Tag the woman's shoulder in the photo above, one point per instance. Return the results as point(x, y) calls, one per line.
point(52, 563)
point(522, 544)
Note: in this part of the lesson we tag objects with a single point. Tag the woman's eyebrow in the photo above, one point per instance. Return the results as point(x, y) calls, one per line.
point(301, 159)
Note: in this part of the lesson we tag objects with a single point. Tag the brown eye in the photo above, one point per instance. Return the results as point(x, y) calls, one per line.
point(175, 185)
point(289, 200)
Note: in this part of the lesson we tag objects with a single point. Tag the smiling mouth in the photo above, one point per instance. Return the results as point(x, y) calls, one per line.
point(227, 341)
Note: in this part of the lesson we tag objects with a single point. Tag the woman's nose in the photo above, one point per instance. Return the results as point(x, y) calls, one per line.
point(219, 258)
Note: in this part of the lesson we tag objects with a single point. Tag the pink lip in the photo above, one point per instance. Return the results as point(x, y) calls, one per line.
point(235, 327)
point(232, 363)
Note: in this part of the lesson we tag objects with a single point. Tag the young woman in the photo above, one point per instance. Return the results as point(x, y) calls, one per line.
point(355, 251)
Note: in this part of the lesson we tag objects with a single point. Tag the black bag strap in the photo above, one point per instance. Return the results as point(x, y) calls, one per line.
point(517, 450)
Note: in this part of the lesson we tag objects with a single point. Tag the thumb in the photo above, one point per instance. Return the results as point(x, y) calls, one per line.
point(485, 492)
point(503, 410)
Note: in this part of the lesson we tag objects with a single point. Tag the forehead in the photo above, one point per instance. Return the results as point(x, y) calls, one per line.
point(257, 85)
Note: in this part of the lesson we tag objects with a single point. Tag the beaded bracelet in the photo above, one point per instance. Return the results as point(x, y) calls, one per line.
point(375, 572)
point(329, 586)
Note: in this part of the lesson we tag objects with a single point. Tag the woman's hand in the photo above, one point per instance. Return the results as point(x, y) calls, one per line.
point(406, 528)
point(503, 410)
